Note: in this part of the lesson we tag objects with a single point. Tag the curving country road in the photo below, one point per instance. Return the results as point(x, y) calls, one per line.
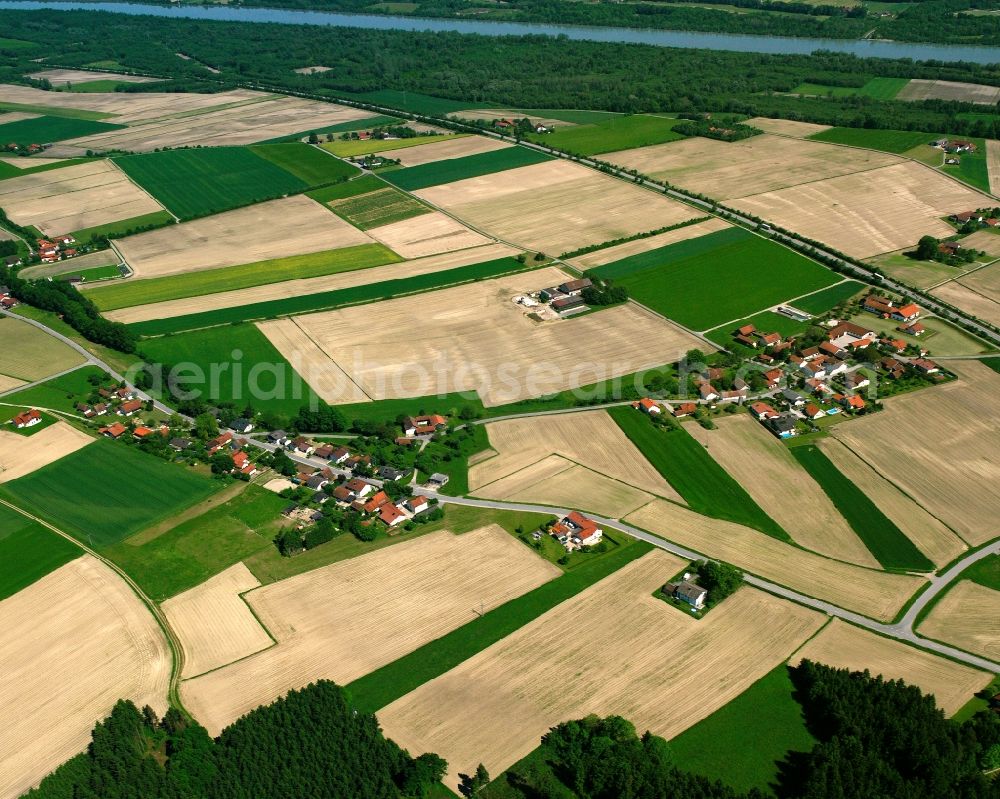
point(902, 630)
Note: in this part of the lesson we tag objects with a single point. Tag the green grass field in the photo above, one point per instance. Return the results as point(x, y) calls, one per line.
point(350, 188)
point(706, 487)
point(16, 44)
point(742, 742)
point(97, 273)
point(822, 301)
point(710, 280)
point(93, 86)
point(352, 147)
point(195, 284)
point(355, 295)
point(768, 321)
point(340, 127)
point(45, 129)
point(413, 101)
point(382, 686)
point(973, 167)
point(199, 548)
point(616, 133)
point(105, 491)
point(276, 386)
point(471, 166)
point(205, 181)
point(28, 551)
point(884, 540)
point(60, 393)
point(876, 88)
point(115, 230)
point(986, 572)
point(888, 141)
point(380, 207)
point(309, 164)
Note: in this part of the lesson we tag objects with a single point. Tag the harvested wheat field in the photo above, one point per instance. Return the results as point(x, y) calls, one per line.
point(74, 643)
point(475, 338)
point(560, 482)
point(290, 226)
point(9, 383)
point(343, 621)
point(786, 127)
point(556, 206)
point(65, 77)
point(878, 595)
point(920, 89)
point(929, 534)
point(952, 467)
point(321, 374)
point(783, 489)
point(427, 234)
point(242, 121)
point(456, 147)
point(214, 623)
point(126, 108)
point(872, 212)
point(993, 165)
point(968, 616)
point(74, 197)
point(725, 170)
point(21, 455)
point(312, 285)
point(29, 354)
point(616, 253)
point(973, 301)
point(845, 646)
point(588, 438)
point(568, 663)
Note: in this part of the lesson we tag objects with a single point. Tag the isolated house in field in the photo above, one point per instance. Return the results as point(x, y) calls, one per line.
point(576, 530)
point(574, 287)
point(687, 592)
point(646, 405)
point(564, 304)
point(27, 419)
point(424, 425)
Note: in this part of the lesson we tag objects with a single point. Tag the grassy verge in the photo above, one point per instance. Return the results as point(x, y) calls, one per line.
point(385, 685)
point(885, 541)
point(211, 281)
point(706, 487)
point(743, 742)
point(327, 300)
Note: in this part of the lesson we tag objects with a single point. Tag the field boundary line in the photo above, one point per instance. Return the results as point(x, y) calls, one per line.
point(961, 276)
point(294, 320)
point(121, 171)
point(820, 180)
point(169, 634)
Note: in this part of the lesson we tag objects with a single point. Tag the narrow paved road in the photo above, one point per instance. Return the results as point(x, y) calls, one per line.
point(903, 630)
point(91, 359)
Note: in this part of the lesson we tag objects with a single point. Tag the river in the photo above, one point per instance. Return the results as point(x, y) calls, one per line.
point(710, 41)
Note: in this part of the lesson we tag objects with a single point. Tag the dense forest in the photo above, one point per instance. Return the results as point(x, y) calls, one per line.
point(876, 739)
point(526, 71)
point(310, 743)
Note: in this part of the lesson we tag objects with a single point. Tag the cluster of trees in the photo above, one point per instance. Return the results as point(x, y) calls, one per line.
point(8, 247)
point(527, 72)
point(719, 579)
point(713, 130)
point(603, 292)
point(309, 743)
point(929, 249)
point(76, 310)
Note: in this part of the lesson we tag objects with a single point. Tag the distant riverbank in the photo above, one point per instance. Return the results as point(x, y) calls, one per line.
point(864, 48)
